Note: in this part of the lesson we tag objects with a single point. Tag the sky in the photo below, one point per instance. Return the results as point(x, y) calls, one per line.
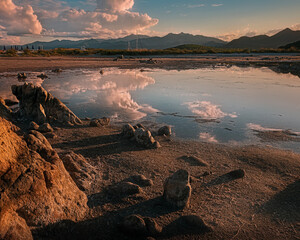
point(24, 21)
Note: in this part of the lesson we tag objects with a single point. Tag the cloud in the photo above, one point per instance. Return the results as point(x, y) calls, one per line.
point(217, 5)
point(207, 110)
point(196, 5)
point(18, 21)
point(115, 5)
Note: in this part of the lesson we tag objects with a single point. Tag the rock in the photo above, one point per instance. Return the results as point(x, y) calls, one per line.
point(33, 126)
point(139, 125)
point(5, 112)
point(42, 76)
point(195, 161)
point(166, 130)
point(144, 138)
point(10, 103)
point(101, 72)
point(57, 70)
point(45, 128)
point(236, 174)
point(38, 189)
point(134, 225)
point(22, 75)
point(153, 228)
point(13, 227)
point(128, 131)
point(177, 189)
point(100, 122)
point(40, 106)
point(125, 188)
point(50, 135)
point(79, 169)
point(195, 223)
point(141, 180)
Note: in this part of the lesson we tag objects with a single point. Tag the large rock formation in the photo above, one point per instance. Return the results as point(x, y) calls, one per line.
point(35, 188)
point(39, 105)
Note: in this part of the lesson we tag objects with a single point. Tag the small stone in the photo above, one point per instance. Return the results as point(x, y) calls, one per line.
point(165, 130)
point(134, 224)
point(128, 131)
point(101, 72)
point(95, 123)
point(42, 76)
point(125, 188)
point(236, 174)
point(141, 180)
point(177, 189)
point(33, 126)
point(45, 128)
point(57, 70)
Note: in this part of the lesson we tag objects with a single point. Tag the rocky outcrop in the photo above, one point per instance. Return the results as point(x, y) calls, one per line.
point(177, 189)
point(4, 109)
point(100, 122)
point(165, 130)
point(40, 106)
point(35, 188)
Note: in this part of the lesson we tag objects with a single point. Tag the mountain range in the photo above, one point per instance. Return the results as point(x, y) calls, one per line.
point(282, 38)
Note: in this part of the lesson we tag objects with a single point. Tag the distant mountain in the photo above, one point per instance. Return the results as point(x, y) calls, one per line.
point(191, 47)
point(135, 41)
point(284, 37)
point(295, 45)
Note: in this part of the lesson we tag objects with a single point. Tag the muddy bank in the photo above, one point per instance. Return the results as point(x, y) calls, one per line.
point(280, 64)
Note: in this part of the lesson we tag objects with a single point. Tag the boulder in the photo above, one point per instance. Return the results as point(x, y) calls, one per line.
point(177, 189)
point(153, 228)
point(79, 169)
point(134, 225)
point(34, 184)
point(40, 106)
point(45, 128)
point(165, 130)
point(125, 189)
point(144, 138)
point(100, 122)
point(128, 131)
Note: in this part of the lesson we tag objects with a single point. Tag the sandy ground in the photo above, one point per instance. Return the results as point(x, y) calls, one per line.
point(263, 205)
point(278, 63)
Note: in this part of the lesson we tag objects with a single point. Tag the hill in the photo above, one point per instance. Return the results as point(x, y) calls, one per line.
point(284, 37)
point(134, 41)
point(295, 45)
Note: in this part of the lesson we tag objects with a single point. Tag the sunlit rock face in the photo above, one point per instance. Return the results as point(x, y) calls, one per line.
point(39, 105)
point(35, 188)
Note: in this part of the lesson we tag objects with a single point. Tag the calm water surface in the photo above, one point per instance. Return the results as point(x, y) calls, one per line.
point(217, 104)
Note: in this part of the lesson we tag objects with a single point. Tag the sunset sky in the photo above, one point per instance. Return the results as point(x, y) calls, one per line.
point(23, 21)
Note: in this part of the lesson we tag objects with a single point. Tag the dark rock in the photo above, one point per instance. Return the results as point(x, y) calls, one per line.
point(125, 188)
point(22, 76)
point(57, 70)
point(101, 72)
point(10, 103)
point(42, 76)
point(128, 131)
point(100, 122)
point(45, 128)
point(177, 189)
point(33, 126)
point(4, 110)
point(236, 174)
point(153, 228)
point(166, 130)
point(134, 225)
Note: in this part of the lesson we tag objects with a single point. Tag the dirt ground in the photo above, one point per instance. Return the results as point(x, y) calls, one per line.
point(263, 205)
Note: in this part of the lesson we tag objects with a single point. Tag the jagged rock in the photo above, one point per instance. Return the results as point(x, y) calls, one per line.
point(42, 76)
point(100, 122)
point(10, 103)
point(165, 130)
point(40, 106)
point(125, 188)
point(45, 128)
point(22, 75)
point(33, 126)
point(144, 138)
point(4, 109)
point(177, 189)
point(141, 180)
point(80, 170)
point(38, 189)
point(128, 131)
point(134, 224)
point(13, 227)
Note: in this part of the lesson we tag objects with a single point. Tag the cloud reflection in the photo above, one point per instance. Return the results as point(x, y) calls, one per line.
point(208, 137)
point(110, 91)
point(207, 110)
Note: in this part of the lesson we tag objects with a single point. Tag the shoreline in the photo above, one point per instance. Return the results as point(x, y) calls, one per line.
point(277, 63)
